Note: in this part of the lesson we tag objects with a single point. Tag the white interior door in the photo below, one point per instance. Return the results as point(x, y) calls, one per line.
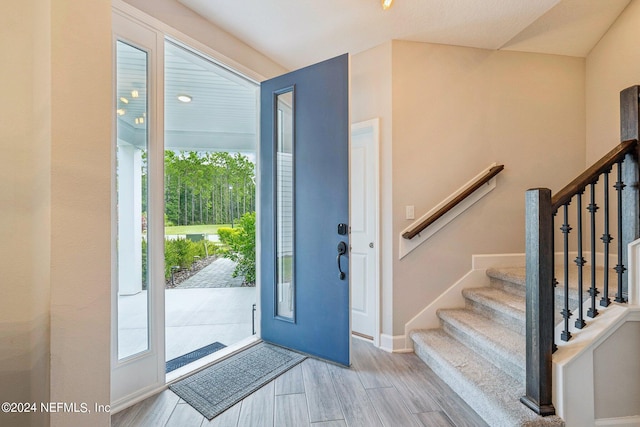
point(364, 229)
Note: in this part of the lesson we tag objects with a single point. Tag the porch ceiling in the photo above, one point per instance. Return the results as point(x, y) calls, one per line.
point(220, 117)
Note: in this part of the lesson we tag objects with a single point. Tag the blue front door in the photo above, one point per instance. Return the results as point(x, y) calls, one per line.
point(304, 210)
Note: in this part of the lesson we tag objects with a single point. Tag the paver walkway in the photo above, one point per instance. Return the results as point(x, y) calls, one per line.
point(218, 274)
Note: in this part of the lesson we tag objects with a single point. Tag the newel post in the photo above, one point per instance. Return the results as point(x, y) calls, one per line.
point(540, 299)
point(629, 129)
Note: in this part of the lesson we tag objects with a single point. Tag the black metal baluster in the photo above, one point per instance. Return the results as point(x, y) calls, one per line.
point(593, 291)
point(580, 262)
point(555, 279)
point(606, 238)
point(620, 268)
point(566, 314)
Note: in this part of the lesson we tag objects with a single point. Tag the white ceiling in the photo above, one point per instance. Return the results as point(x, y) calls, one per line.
point(295, 33)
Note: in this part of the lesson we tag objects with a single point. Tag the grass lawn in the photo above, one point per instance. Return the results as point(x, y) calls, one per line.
point(194, 229)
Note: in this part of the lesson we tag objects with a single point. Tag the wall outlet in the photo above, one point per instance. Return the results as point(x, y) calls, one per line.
point(409, 212)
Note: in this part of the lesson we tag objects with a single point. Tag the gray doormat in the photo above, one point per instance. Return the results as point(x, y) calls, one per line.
point(220, 386)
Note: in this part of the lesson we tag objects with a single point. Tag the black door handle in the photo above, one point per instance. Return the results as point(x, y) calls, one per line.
point(342, 249)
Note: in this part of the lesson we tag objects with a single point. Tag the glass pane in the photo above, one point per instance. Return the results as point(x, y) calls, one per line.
point(131, 188)
point(209, 194)
point(284, 207)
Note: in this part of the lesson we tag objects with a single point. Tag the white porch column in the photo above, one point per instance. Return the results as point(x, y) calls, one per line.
point(129, 219)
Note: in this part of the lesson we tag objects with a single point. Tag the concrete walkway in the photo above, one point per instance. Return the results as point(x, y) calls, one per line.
point(209, 306)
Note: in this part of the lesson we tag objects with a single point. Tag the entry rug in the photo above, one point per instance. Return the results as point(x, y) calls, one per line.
point(185, 359)
point(220, 386)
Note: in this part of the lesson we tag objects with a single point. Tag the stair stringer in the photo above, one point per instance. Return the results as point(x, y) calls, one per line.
point(452, 297)
point(574, 377)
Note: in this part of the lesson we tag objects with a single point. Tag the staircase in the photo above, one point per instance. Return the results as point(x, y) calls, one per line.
point(479, 350)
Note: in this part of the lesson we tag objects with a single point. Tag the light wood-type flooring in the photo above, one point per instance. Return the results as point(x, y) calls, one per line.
point(380, 389)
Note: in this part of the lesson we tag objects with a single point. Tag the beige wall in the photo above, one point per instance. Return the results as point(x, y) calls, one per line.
point(81, 122)
point(54, 192)
point(55, 188)
point(455, 111)
point(24, 203)
point(611, 66)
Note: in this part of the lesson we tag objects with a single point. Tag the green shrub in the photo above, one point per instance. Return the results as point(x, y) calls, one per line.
point(181, 252)
point(241, 246)
point(211, 248)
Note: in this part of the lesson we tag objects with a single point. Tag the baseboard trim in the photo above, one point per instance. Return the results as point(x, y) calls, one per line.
point(132, 399)
point(394, 344)
point(622, 421)
point(452, 297)
point(484, 261)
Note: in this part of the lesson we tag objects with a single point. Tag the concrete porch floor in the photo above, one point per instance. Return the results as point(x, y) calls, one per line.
point(201, 316)
point(194, 316)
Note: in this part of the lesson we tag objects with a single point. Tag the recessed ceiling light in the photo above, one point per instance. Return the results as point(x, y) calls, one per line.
point(120, 111)
point(386, 4)
point(184, 98)
point(134, 93)
point(124, 100)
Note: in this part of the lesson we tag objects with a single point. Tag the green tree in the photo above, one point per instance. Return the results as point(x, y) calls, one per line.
point(208, 188)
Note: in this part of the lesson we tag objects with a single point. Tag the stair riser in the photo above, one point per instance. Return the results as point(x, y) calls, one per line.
point(507, 286)
point(510, 365)
point(515, 323)
point(518, 289)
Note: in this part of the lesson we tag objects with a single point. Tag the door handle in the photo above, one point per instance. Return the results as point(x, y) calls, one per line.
point(342, 249)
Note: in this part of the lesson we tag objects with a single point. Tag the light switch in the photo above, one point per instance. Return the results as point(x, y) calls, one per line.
point(409, 212)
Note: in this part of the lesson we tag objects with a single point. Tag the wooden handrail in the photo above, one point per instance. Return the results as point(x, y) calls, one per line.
point(590, 175)
point(410, 234)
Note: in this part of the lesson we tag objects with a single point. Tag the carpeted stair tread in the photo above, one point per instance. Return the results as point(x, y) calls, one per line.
point(498, 344)
point(505, 308)
point(503, 300)
point(492, 393)
point(516, 276)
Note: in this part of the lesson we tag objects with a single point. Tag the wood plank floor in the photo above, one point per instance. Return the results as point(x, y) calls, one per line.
point(380, 389)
